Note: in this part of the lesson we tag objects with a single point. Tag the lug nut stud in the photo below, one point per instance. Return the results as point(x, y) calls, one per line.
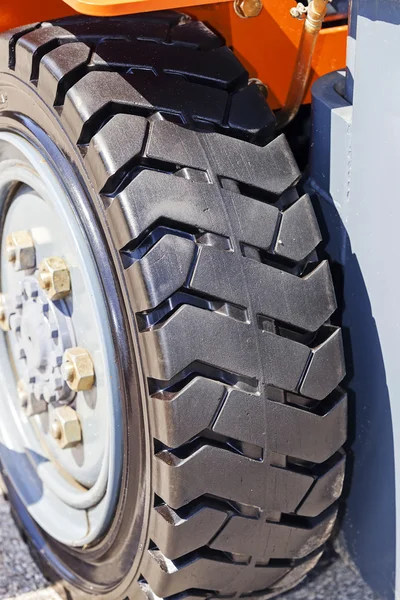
point(68, 371)
point(56, 431)
point(11, 253)
point(45, 280)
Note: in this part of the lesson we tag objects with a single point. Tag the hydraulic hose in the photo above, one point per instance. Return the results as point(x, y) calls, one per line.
point(315, 14)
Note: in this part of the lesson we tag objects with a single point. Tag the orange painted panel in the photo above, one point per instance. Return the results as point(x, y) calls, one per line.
point(108, 8)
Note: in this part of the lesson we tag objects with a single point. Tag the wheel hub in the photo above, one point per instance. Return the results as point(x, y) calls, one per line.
point(41, 334)
point(60, 403)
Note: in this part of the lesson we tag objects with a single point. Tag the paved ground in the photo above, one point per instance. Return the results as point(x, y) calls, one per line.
point(18, 574)
point(332, 581)
point(20, 579)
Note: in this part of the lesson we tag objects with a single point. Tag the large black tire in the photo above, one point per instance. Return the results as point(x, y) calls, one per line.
point(213, 252)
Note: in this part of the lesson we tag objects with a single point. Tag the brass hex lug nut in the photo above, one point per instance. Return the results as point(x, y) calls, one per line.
point(4, 323)
point(54, 277)
point(20, 249)
point(247, 9)
point(78, 369)
point(66, 427)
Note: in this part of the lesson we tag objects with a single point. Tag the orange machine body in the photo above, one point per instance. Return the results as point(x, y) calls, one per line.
point(266, 44)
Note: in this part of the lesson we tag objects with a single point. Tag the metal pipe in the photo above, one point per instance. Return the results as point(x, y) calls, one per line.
point(315, 14)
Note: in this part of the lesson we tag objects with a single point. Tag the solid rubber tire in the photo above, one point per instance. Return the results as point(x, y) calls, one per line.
point(214, 254)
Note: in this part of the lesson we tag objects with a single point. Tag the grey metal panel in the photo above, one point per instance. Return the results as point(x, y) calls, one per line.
point(355, 165)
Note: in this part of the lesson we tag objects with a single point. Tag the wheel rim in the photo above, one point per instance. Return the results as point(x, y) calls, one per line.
point(70, 492)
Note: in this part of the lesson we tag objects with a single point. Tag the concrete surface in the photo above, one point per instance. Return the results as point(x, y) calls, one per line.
point(332, 579)
point(20, 579)
point(19, 576)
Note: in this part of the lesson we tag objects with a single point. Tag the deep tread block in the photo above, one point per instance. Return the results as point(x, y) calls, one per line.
point(204, 573)
point(325, 491)
point(179, 481)
point(243, 417)
point(194, 34)
point(8, 41)
point(305, 435)
point(182, 146)
point(259, 117)
point(146, 277)
point(116, 146)
point(299, 233)
point(297, 574)
point(226, 344)
point(154, 195)
point(277, 351)
point(32, 47)
point(330, 352)
point(175, 535)
point(57, 66)
point(191, 107)
point(218, 68)
point(154, 30)
point(180, 416)
point(305, 303)
point(114, 92)
point(282, 428)
point(91, 95)
point(276, 540)
point(270, 168)
point(146, 593)
point(257, 221)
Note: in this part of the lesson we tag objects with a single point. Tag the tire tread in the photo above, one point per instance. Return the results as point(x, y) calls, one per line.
point(199, 196)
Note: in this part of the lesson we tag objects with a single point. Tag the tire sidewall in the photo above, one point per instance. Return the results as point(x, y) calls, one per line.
point(124, 543)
